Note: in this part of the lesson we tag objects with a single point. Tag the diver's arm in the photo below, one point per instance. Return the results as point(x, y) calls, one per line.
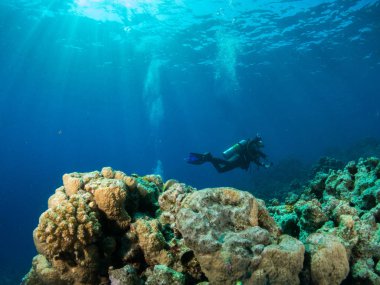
point(261, 154)
point(259, 163)
point(265, 164)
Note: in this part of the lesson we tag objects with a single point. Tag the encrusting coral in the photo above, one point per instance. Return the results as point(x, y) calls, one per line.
point(107, 227)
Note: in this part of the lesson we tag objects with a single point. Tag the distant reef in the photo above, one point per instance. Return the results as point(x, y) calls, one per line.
point(365, 147)
point(111, 228)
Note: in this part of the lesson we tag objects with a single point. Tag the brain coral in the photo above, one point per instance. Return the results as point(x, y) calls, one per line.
point(69, 226)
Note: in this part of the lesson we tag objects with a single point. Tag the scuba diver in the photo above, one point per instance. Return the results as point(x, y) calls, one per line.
point(240, 155)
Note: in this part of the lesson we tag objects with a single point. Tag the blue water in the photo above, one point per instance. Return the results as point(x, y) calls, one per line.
point(136, 85)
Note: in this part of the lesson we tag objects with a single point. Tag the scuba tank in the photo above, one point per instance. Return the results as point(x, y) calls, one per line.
point(235, 149)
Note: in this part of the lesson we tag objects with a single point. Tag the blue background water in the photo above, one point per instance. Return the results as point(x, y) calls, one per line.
point(136, 85)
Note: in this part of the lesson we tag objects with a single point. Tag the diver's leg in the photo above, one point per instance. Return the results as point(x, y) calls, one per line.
point(222, 165)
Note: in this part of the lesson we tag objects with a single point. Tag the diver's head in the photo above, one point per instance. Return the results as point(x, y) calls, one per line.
point(257, 141)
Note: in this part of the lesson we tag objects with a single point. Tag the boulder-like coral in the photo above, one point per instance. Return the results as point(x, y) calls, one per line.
point(281, 263)
point(329, 262)
point(221, 225)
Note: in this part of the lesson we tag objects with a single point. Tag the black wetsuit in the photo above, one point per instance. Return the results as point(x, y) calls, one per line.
point(242, 159)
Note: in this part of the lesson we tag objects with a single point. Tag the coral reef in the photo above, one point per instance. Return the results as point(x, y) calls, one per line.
point(338, 210)
point(107, 227)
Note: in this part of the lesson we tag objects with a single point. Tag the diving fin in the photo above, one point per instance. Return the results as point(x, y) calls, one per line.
point(198, 158)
